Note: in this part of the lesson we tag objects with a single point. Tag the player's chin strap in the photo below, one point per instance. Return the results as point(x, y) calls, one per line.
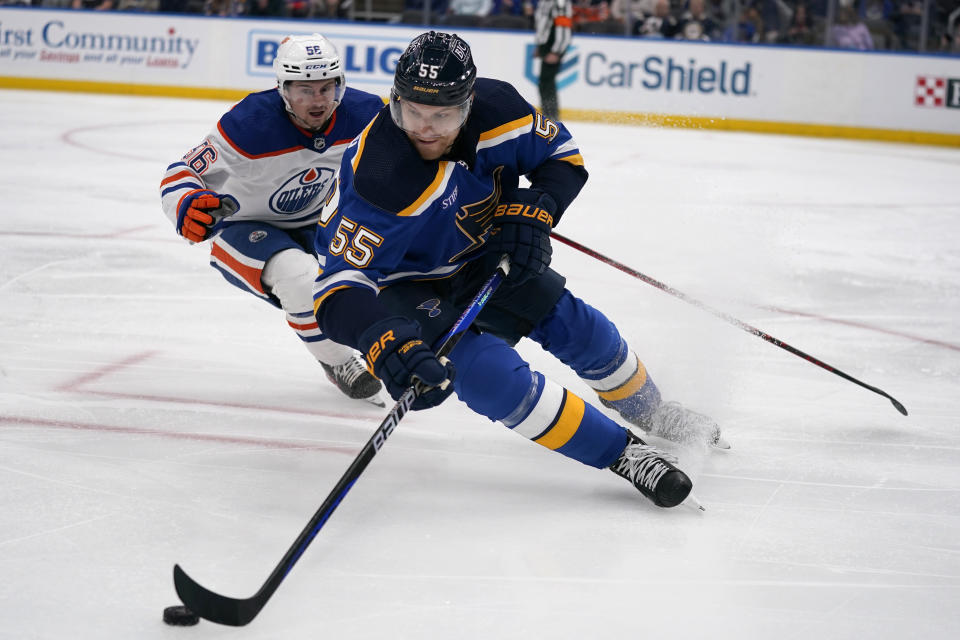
point(238, 612)
point(723, 316)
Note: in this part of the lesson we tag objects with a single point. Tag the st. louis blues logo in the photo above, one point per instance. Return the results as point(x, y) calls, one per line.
point(473, 220)
point(431, 306)
point(302, 192)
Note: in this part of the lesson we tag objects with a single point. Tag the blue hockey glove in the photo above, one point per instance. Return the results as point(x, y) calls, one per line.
point(396, 354)
point(521, 229)
point(199, 212)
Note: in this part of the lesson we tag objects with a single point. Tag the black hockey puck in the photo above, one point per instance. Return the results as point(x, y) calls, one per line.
point(180, 616)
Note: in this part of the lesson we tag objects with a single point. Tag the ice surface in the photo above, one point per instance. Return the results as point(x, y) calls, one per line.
point(151, 414)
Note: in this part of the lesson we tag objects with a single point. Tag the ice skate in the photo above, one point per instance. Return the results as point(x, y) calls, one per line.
point(652, 472)
point(353, 379)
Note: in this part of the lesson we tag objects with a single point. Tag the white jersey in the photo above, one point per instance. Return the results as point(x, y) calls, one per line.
point(277, 172)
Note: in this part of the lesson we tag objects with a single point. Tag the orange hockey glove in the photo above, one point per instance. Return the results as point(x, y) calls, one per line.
point(200, 211)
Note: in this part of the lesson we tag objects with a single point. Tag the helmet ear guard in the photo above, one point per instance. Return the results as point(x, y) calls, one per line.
point(307, 58)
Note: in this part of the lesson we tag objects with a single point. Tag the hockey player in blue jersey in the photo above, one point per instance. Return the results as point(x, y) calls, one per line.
point(257, 183)
point(429, 198)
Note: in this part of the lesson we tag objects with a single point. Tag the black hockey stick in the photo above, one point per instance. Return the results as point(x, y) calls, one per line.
point(720, 314)
point(238, 612)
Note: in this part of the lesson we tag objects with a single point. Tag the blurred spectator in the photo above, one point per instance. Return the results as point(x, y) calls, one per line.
point(632, 12)
point(849, 31)
point(467, 12)
point(590, 11)
point(413, 11)
point(696, 23)
point(179, 6)
point(776, 15)
point(878, 16)
point(222, 7)
point(512, 7)
point(818, 8)
point(266, 8)
point(951, 38)
point(96, 5)
point(314, 8)
point(877, 11)
point(510, 14)
point(657, 22)
point(722, 11)
point(145, 6)
point(748, 29)
point(660, 24)
point(907, 22)
point(800, 31)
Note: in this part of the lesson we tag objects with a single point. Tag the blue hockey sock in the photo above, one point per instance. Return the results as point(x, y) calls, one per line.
point(493, 380)
point(585, 340)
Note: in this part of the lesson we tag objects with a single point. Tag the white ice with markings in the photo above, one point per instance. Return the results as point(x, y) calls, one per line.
point(151, 414)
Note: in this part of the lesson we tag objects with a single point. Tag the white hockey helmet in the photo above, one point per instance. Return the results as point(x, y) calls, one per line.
point(310, 57)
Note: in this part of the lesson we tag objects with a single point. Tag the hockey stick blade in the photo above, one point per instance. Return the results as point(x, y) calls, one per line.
point(724, 316)
point(239, 612)
point(213, 606)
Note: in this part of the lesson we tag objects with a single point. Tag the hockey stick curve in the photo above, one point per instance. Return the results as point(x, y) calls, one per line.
point(238, 612)
point(724, 316)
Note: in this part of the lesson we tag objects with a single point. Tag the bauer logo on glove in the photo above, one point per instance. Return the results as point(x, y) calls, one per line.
point(199, 212)
point(525, 210)
point(521, 229)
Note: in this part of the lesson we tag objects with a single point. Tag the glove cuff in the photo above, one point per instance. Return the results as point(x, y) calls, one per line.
point(385, 336)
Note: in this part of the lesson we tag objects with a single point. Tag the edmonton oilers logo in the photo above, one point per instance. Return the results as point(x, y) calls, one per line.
point(303, 191)
point(568, 66)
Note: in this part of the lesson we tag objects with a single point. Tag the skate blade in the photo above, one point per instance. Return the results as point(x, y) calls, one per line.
point(375, 400)
point(720, 443)
point(693, 503)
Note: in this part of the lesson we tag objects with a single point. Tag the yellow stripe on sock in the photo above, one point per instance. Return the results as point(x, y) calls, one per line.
point(628, 388)
point(571, 415)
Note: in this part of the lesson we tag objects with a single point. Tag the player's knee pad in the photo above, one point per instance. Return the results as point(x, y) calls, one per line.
point(492, 378)
point(289, 276)
point(578, 335)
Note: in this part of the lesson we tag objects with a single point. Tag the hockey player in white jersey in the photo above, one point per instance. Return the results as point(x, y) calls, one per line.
point(256, 185)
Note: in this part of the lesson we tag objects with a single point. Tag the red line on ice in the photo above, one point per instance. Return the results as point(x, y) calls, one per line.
point(172, 435)
point(105, 370)
point(230, 405)
point(74, 386)
point(863, 325)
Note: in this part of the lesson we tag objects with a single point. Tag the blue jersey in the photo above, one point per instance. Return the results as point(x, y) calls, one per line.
point(395, 216)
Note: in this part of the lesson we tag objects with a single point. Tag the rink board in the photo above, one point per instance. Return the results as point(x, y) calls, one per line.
point(760, 88)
